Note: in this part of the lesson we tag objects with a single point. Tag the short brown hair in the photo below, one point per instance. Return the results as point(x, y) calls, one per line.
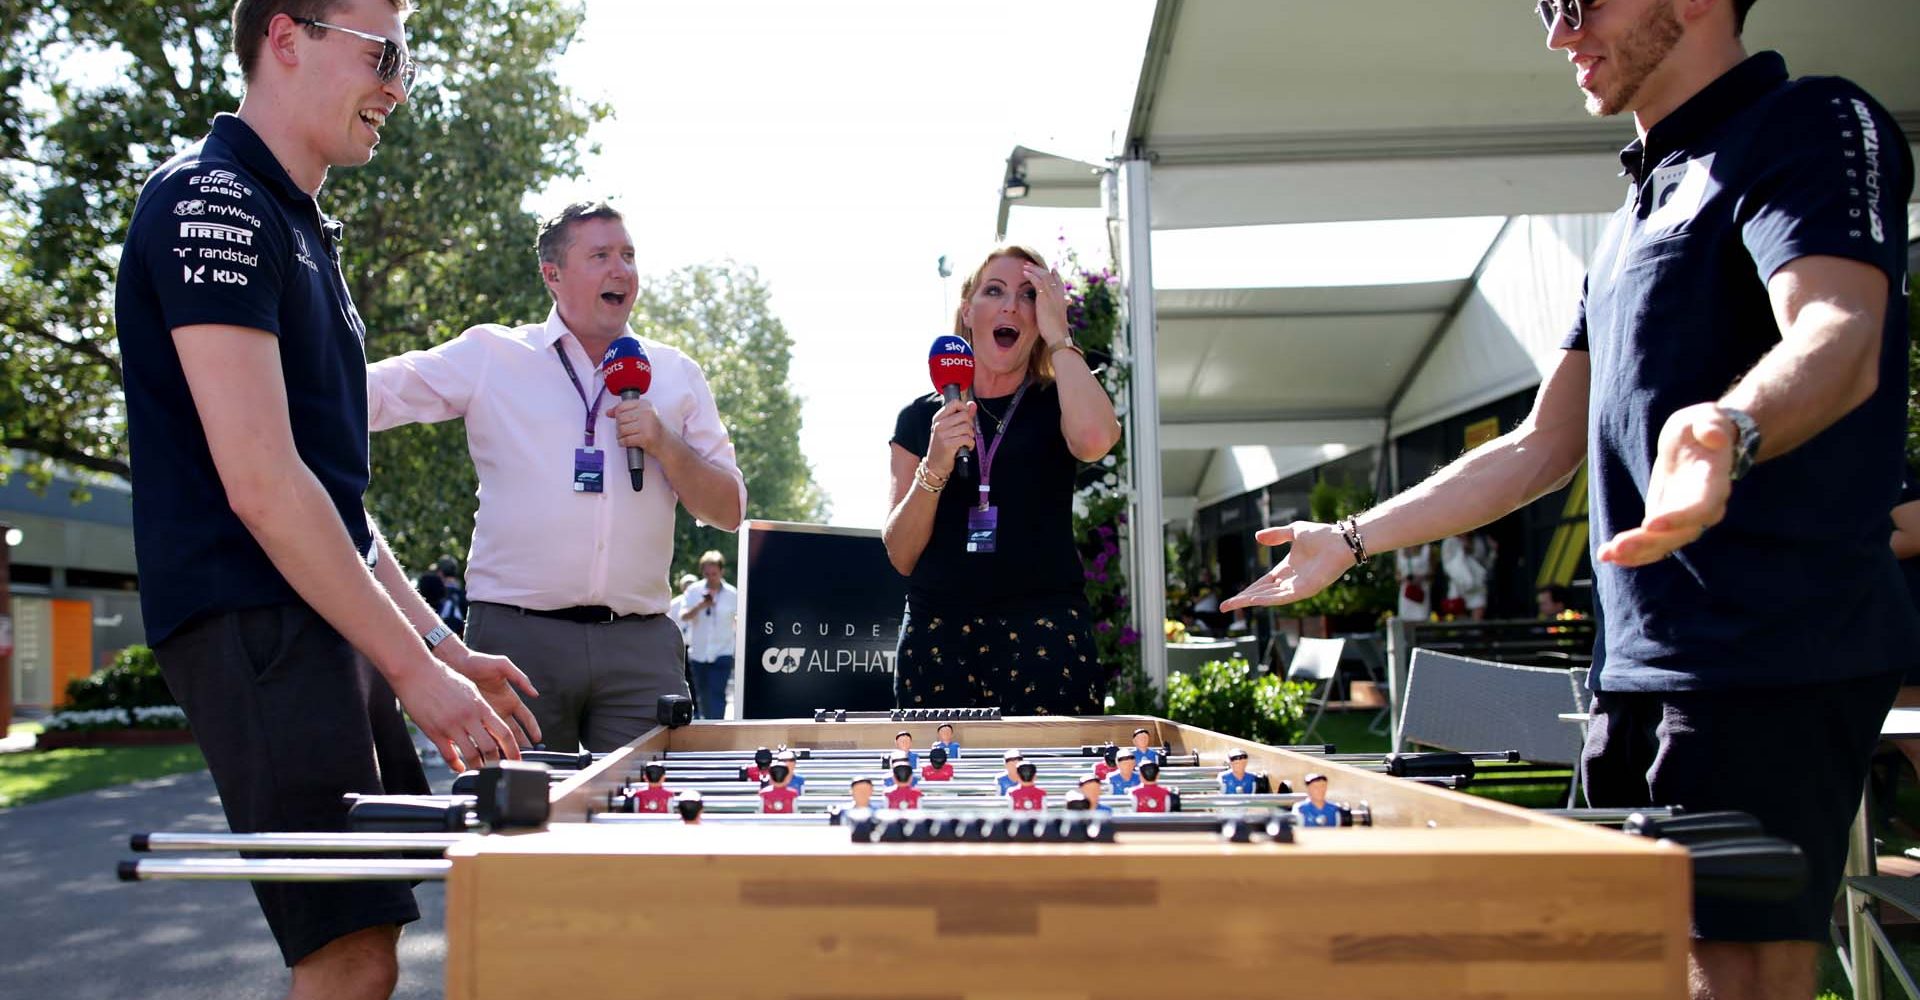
point(556, 233)
point(1740, 8)
point(251, 17)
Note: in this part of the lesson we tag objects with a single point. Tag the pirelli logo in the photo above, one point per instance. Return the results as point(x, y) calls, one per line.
point(217, 232)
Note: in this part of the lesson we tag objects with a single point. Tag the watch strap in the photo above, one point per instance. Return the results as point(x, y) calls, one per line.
point(439, 634)
point(1746, 442)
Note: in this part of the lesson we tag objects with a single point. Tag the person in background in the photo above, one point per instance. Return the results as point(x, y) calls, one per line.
point(452, 606)
point(1414, 566)
point(1468, 561)
point(1553, 600)
point(677, 607)
point(709, 610)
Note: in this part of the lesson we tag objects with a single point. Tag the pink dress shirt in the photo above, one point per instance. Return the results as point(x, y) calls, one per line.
point(536, 542)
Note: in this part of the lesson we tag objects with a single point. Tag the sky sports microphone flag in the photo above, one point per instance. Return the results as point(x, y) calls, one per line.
point(950, 363)
point(628, 372)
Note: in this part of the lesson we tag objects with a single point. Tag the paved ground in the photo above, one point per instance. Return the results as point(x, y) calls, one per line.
point(72, 930)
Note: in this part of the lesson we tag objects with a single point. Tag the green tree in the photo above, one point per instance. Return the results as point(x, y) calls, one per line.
point(721, 316)
point(436, 236)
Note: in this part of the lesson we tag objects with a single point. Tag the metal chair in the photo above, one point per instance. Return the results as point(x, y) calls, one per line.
point(1316, 661)
point(1460, 703)
point(1897, 891)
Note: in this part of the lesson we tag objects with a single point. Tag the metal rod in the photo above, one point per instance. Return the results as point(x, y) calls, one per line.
point(283, 870)
point(309, 843)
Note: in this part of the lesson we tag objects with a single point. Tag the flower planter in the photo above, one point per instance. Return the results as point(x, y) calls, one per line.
point(60, 739)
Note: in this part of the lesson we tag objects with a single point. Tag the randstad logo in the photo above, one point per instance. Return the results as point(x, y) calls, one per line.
point(782, 660)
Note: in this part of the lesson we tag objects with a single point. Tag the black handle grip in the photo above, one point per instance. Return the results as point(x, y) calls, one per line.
point(138, 842)
point(1758, 869)
point(1430, 765)
point(129, 871)
point(1694, 828)
point(407, 816)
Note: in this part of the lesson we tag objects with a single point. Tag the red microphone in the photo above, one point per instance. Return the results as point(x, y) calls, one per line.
point(950, 363)
point(627, 372)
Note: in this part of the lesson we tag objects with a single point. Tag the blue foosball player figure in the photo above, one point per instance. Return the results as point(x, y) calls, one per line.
point(861, 792)
point(1317, 811)
point(1027, 796)
point(902, 772)
point(1090, 789)
point(1124, 778)
point(1235, 780)
point(656, 797)
point(1008, 781)
point(903, 743)
point(946, 742)
point(938, 767)
point(1143, 751)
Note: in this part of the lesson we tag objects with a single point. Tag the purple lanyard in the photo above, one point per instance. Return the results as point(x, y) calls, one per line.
point(986, 454)
point(593, 408)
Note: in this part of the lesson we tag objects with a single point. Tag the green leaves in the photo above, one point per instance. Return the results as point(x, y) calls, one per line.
point(1227, 697)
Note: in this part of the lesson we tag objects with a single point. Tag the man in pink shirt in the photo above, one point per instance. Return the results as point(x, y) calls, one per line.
point(568, 570)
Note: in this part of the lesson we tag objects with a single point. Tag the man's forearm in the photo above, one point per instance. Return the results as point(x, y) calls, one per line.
point(1806, 384)
point(708, 492)
point(1477, 488)
point(393, 577)
point(298, 527)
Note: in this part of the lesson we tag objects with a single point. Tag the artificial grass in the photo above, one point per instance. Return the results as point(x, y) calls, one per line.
point(38, 775)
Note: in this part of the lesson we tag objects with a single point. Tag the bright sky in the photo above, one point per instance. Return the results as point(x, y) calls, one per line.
point(841, 148)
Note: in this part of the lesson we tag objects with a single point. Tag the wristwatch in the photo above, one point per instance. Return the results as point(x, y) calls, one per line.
point(441, 633)
point(1746, 444)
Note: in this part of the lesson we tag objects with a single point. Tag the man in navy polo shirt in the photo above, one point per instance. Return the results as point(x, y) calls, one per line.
point(1736, 379)
point(247, 414)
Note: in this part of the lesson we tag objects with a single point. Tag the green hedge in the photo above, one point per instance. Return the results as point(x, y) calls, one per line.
point(133, 681)
point(1228, 698)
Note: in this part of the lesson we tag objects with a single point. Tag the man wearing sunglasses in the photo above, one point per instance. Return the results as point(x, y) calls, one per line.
point(1735, 379)
point(283, 624)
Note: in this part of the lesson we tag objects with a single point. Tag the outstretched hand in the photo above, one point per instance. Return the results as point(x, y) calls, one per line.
point(1318, 557)
point(1687, 491)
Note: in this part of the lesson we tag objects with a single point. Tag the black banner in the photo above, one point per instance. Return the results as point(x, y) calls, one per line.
point(819, 619)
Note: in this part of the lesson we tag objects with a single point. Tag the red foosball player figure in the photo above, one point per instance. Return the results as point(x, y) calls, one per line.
point(655, 798)
point(903, 743)
point(1011, 779)
point(943, 740)
point(688, 805)
point(792, 762)
point(1027, 796)
point(1090, 788)
point(1235, 780)
point(1149, 796)
point(1108, 759)
point(1317, 811)
point(861, 789)
point(1124, 778)
point(1143, 750)
point(762, 760)
point(937, 769)
point(778, 797)
point(903, 794)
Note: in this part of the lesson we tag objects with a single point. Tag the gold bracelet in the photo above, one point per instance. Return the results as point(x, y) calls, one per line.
point(920, 475)
point(932, 476)
point(1066, 345)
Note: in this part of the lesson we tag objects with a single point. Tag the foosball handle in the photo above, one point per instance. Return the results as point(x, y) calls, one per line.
point(1694, 828)
point(1430, 765)
point(1756, 869)
point(555, 758)
point(402, 815)
point(512, 795)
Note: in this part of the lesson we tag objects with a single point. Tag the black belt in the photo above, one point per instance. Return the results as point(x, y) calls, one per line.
point(585, 614)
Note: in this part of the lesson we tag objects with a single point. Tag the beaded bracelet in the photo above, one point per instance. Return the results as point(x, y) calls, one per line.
point(1350, 531)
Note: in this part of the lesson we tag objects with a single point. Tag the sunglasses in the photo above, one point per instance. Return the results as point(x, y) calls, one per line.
point(1561, 10)
point(393, 60)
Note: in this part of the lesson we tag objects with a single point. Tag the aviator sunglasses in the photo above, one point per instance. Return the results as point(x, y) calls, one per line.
point(393, 61)
point(1570, 11)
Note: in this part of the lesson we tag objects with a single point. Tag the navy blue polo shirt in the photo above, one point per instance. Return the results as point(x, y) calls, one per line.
point(221, 235)
point(1797, 585)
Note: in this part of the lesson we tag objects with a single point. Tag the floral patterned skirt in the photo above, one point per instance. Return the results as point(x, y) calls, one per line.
point(1030, 662)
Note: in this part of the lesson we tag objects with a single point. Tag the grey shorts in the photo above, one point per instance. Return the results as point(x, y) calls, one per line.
point(599, 683)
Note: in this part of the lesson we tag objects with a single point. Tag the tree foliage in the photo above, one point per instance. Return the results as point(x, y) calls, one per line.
point(721, 316)
point(436, 236)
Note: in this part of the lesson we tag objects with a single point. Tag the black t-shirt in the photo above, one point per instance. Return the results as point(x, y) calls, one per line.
point(221, 235)
point(1035, 562)
point(1909, 492)
point(1797, 584)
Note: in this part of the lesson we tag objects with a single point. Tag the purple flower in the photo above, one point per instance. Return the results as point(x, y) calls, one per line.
point(1128, 636)
point(1103, 627)
point(1087, 573)
point(1102, 578)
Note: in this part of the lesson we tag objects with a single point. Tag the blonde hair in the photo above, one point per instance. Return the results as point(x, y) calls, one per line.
point(712, 556)
point(1039, 367)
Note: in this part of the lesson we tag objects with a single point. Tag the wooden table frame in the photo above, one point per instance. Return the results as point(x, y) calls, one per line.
point(1447, 896)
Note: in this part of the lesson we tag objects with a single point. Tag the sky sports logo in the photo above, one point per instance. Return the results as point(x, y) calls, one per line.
point(216, 231)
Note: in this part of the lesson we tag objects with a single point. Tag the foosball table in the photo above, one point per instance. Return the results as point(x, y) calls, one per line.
point(688, 879)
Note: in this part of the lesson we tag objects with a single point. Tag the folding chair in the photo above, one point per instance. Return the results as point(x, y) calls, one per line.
point(1316, 661)
point(1900, 892)
point(1464, 704)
